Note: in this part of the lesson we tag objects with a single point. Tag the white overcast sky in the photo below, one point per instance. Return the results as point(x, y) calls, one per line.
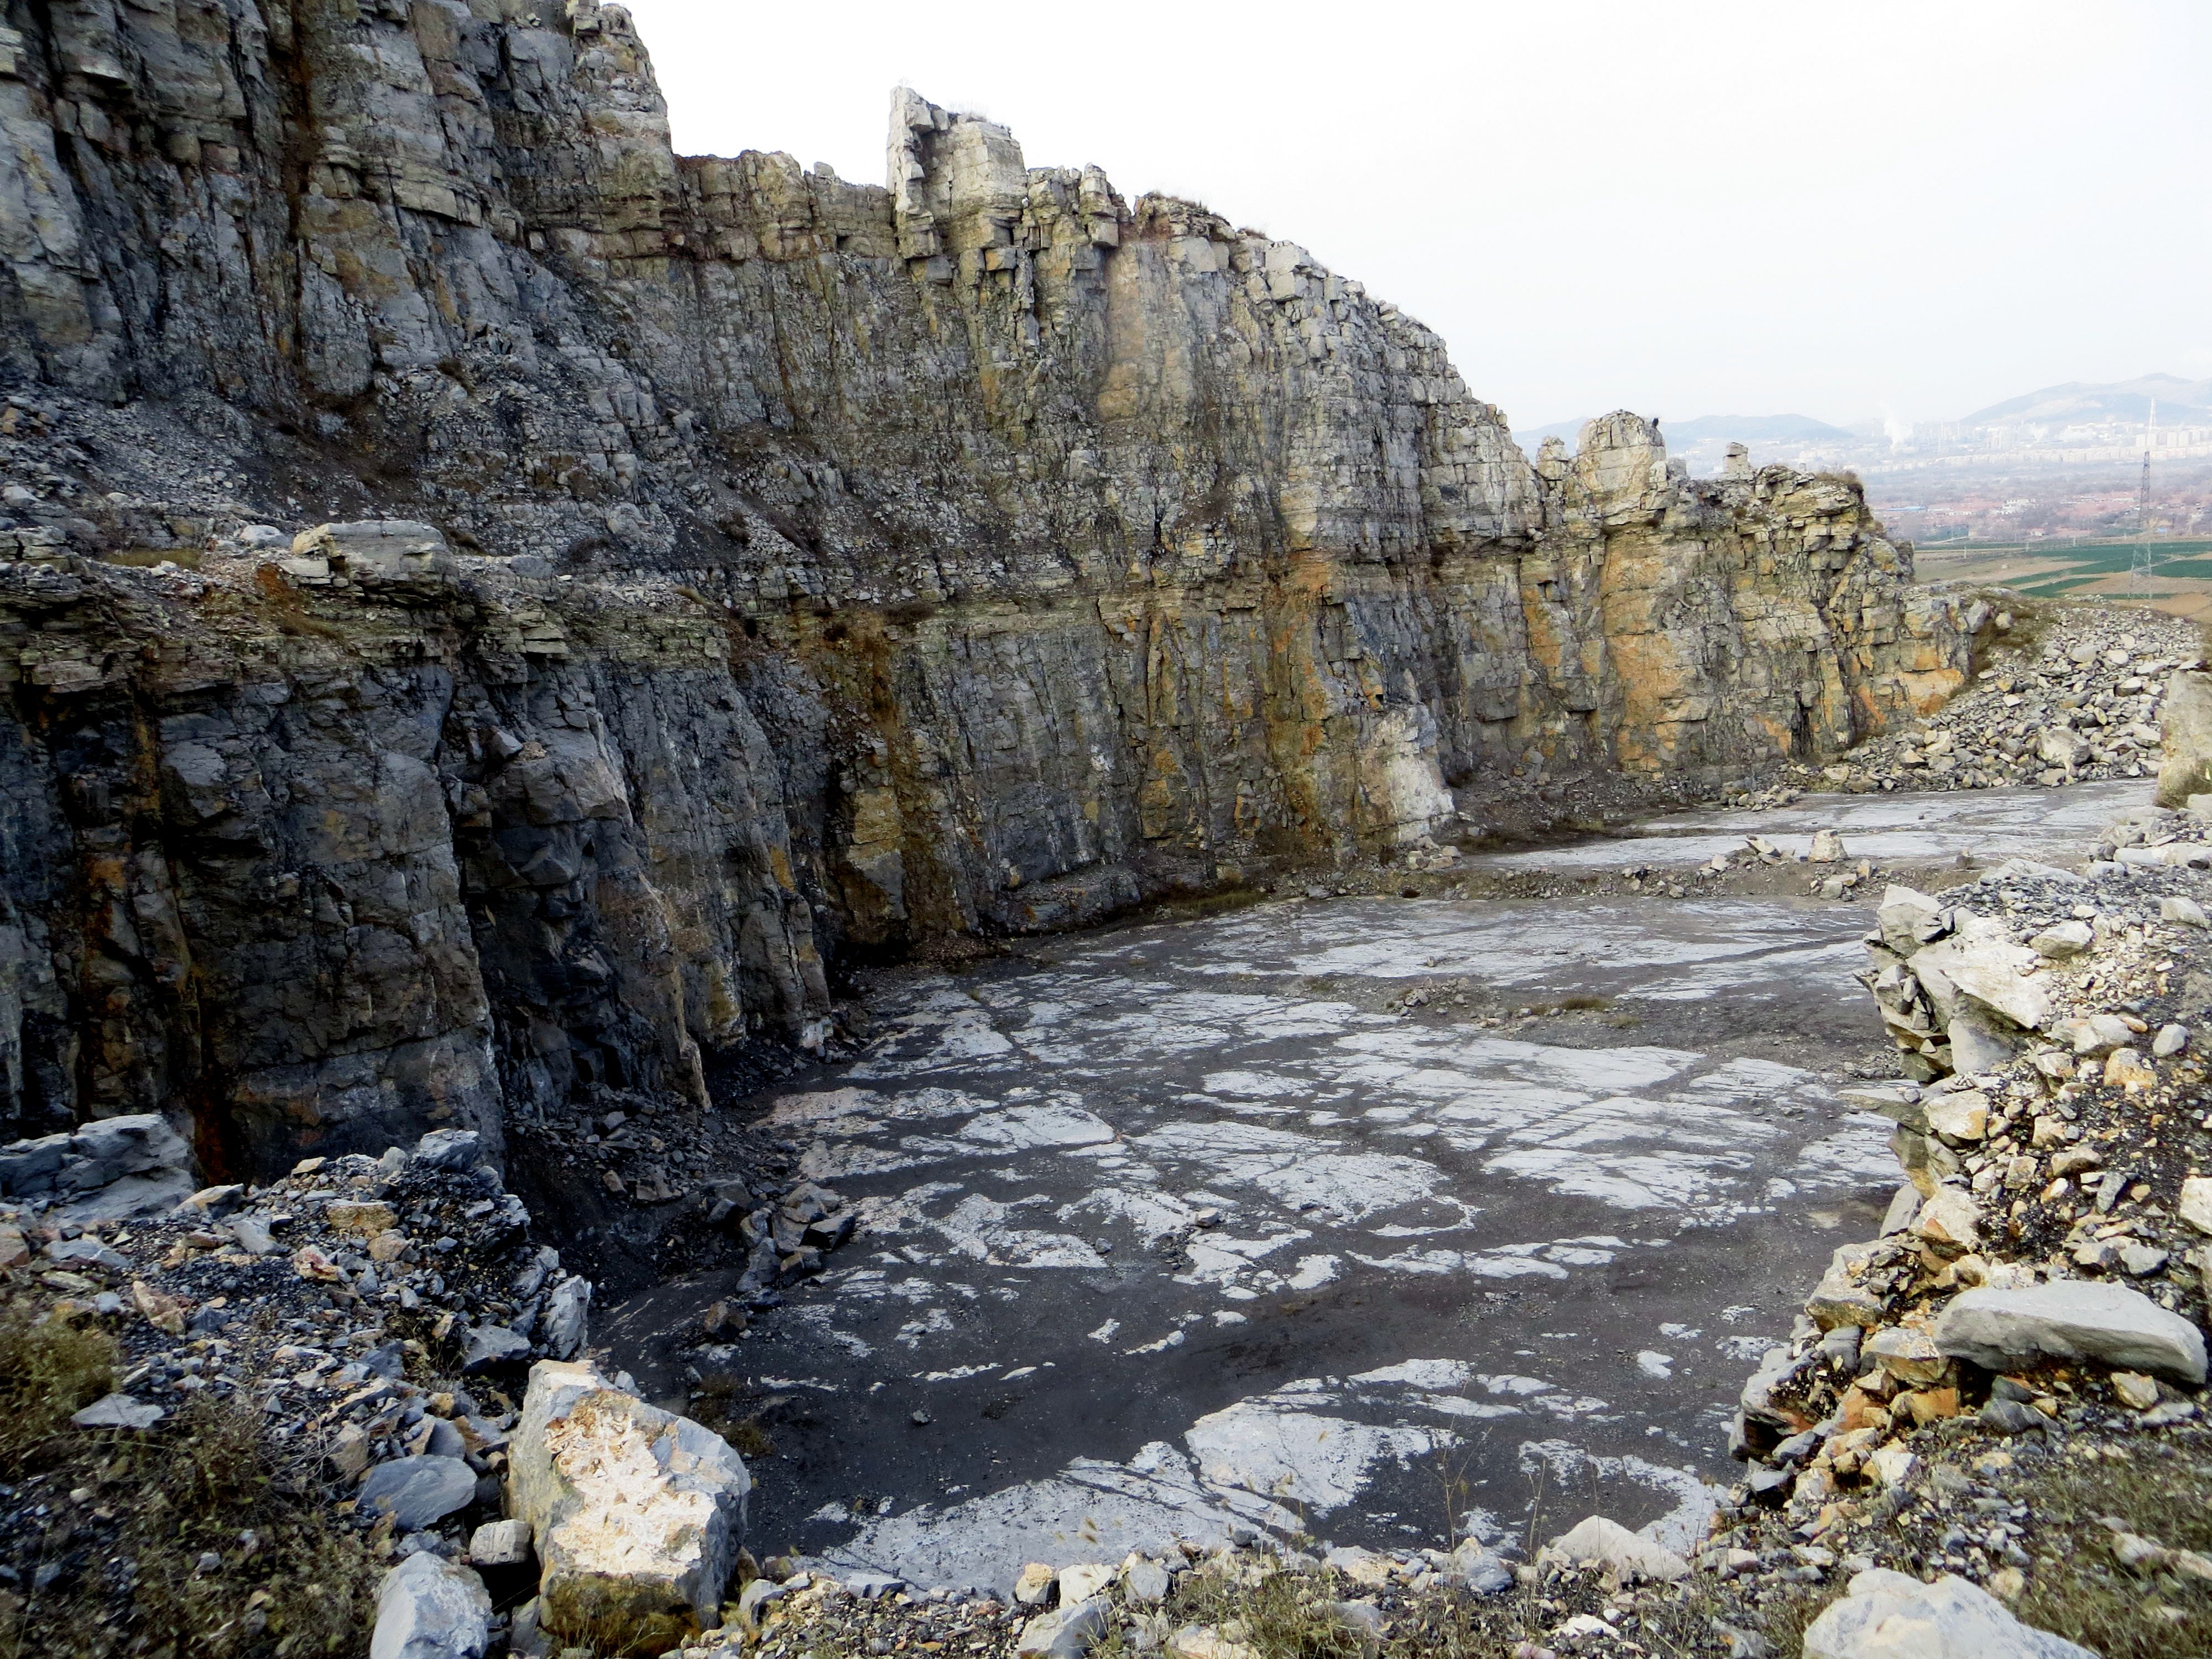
point(1684, 209)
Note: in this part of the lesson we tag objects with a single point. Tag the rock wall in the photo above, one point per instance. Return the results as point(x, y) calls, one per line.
point(838, 568)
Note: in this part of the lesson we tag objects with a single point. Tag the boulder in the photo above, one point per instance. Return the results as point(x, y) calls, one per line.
point(1889, 1616)
point(637, 1514)
point(2185, 720)
point(372, 547)
point(2070, 1320)
point(1599, 1542)
point(428, 1608)
point(1985, 973)
point(417, 1490)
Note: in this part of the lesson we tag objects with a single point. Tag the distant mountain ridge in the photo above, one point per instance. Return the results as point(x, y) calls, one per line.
point(2179, 400)
point(1709, 428)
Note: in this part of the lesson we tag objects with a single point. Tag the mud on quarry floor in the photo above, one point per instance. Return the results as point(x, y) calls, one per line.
point(1203, 1224)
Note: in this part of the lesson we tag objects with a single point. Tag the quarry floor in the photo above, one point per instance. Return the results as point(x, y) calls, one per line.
point(1193, 1224)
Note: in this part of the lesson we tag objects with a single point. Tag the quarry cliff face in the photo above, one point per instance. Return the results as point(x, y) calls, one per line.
point(824, 569)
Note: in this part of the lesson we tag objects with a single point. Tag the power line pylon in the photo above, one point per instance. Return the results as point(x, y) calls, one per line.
point(2139, 564)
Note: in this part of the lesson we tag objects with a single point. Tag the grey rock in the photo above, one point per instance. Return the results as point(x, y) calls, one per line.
point(1145, 1583)
point(118, 1411)
point(429, 1608)
point(2070, 1320)
point(564, 1325)
point(500, 1544)
point(417, 1490)
point(448, 1149)
point(1887, 1613)
point(1064, 1633)
point(2011, 1416)
point(490, 1346)
point(86, 1251)
point(252, 1235)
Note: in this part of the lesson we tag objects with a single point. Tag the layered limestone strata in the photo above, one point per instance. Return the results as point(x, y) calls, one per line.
point(832, 568)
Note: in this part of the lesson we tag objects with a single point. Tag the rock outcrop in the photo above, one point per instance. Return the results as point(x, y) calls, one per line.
point(731, 569)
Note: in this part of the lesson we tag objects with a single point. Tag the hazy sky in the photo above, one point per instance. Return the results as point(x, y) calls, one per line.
point(1684, 209)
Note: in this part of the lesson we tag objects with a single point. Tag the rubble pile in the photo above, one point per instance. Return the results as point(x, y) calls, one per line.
point(2077, 701)
point(377, 1315)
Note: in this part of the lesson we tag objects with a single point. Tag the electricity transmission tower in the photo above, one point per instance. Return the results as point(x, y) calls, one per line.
point(2139, 565)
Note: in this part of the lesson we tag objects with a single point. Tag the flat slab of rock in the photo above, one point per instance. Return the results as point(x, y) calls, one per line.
point(427, 1608)
point(2070, 1320)
point(1888, 1615)
point(118, 1411)
point(637, 1514)
point(417, 1490)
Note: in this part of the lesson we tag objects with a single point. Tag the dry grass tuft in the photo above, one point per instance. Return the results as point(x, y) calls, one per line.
point(2076, 1589)
point(49, 1368)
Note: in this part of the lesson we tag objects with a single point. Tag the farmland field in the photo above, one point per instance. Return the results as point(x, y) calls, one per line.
point(2180, 580)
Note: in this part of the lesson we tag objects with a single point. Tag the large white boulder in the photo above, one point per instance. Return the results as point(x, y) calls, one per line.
point(2070, 1320)
point(637, 1514)
point(1599, 1542)
point(1888, 1615)
point(427, 1608)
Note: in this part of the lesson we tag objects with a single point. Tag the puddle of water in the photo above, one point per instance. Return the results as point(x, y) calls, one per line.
point(1171, 1232)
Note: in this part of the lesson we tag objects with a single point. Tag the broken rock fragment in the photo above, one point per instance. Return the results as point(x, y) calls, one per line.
point(428, 1608)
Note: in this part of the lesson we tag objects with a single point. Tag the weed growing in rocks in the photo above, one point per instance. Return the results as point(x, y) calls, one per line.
point(48, 1369)
point(2096, 1584)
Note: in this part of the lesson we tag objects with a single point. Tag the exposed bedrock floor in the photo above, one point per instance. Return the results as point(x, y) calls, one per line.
point(1176, 1228)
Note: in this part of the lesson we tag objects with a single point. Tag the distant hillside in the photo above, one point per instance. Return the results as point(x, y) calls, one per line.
point(1710, 428)
point(2179, 400)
